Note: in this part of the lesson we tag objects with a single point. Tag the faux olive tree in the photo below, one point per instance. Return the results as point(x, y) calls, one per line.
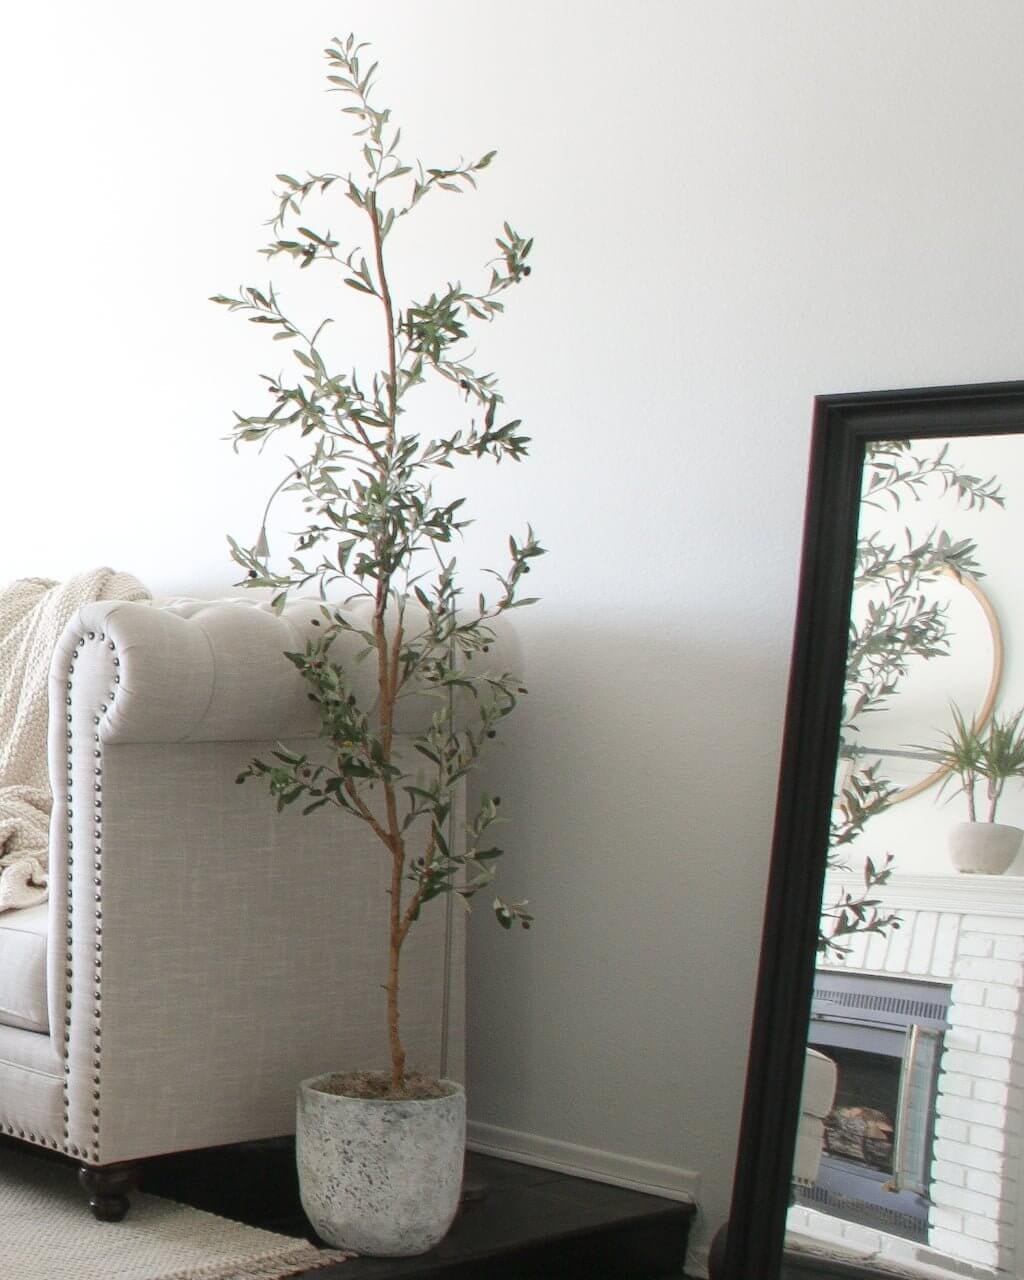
point(377, 543)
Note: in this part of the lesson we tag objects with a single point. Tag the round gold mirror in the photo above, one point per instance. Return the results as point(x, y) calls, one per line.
point(969, 677)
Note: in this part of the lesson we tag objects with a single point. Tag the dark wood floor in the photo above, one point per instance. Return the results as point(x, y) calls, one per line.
point(516, 1223)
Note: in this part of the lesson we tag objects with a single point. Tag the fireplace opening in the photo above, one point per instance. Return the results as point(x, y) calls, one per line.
point(885, 1037)
point(862, 1123)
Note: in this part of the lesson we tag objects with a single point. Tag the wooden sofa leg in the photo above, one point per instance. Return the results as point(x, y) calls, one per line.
point(108, 1187)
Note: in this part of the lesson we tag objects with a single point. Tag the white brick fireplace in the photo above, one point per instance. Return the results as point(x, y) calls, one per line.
point(967, 931)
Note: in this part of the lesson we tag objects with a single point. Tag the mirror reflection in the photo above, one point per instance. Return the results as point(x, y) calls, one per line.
point(908, 1149)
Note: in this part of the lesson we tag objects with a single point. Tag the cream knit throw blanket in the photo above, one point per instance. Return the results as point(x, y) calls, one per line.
point(33, 614)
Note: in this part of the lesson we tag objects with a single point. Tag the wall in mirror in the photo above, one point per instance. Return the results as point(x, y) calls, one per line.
point(884, 1117)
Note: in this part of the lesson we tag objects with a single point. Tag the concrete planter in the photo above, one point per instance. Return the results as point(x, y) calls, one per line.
point(983, 848)
point(377, 1176)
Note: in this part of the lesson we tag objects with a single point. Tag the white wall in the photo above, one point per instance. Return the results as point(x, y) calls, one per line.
point(737, 206)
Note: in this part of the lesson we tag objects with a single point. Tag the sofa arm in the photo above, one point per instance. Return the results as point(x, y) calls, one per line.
point(198, 938)
point(194, 671)
point(203, 671)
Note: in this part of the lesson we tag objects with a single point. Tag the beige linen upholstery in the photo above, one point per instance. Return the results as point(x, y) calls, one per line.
point(204, 953)
point(23, 968)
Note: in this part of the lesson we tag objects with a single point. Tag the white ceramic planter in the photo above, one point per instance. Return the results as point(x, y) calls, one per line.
point(380, 1177)
point(983, 848)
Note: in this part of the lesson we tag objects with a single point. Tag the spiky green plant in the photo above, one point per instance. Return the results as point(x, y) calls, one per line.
point(991, 755)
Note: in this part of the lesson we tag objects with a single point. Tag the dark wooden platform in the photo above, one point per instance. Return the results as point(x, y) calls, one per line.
point(517, 1223)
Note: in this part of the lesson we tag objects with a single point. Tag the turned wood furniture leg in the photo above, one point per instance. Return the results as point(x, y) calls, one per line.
point(108, 1187)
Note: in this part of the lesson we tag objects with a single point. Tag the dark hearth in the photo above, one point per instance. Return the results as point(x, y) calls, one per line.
point(516, 1222)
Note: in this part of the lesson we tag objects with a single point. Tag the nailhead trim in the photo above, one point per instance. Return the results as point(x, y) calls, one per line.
point(91, 1154)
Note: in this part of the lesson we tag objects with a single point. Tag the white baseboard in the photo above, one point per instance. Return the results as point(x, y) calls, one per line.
point(584, 1162)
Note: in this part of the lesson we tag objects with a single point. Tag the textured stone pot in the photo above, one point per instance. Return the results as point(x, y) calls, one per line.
point(983, 848)
point(377, 1176)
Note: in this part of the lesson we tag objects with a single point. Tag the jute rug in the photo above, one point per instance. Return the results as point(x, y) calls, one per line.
point(48, 1233)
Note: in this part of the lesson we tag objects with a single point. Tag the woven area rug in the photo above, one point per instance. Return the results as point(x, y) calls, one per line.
point(48, 1233)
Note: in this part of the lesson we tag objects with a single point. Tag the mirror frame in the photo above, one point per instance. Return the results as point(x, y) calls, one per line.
point(843, 425)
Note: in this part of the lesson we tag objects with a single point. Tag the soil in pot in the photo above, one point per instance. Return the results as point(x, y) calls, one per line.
point(377, 1084)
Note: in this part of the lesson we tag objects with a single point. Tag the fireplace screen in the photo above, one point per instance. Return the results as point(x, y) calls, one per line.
point(885, 1037)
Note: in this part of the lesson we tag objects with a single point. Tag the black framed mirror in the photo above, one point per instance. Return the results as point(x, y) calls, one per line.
point(865, 447)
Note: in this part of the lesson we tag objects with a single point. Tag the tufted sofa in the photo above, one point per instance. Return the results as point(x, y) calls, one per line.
point(199, 953)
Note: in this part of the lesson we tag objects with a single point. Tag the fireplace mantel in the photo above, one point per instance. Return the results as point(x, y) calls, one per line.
point(963, 894)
